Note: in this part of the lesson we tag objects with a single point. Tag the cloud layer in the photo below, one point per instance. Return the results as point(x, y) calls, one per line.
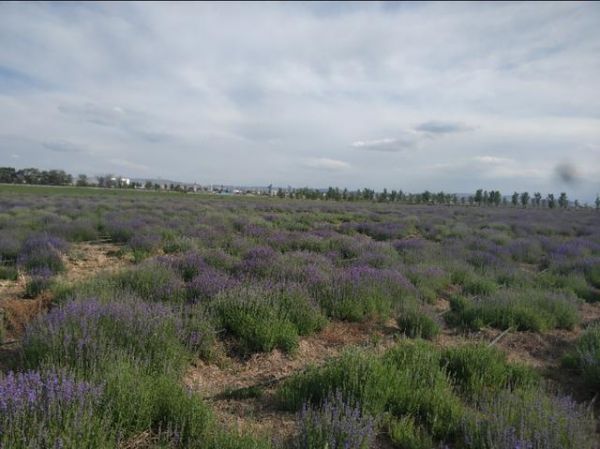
point(410, 95)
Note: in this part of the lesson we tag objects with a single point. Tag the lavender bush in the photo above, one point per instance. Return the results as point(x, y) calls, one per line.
point(336, 424)
point(586, 357)
point(83, 333)
point(42, 252)
point(531, 419)
point(51, 409)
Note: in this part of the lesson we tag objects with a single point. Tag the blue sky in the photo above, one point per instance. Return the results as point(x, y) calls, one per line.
point(413, 95)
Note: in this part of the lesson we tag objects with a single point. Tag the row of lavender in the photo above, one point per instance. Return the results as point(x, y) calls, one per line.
point(266, 272)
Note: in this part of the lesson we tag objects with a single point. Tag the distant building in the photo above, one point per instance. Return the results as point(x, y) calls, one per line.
point(119, 180)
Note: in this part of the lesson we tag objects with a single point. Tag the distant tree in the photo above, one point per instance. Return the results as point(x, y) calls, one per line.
point(537, 198)
point(148, 185)
point(597, 202)
point(471, 199)
point(515, 199)
point(8, 175)
point(29, 176)
point(82, 181)
point(504, 201)
point(497, 197)
point(280, 193)
point(576, 203)
point(563, 201)
point(384, 196)
point(525, 199)
point(426, 196)
point(479, 196)
point(551, 201)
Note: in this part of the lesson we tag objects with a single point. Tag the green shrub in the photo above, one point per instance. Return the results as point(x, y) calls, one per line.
point(477, 370)
point(416, 324)
point(262, 319)
point(473, 283)
point(406, 434)
point(407, 381)
point(479, 285)
point(527, 309)
point(8, 272)
point(586, 356)
point(138, 400)
point(36, 285)
point(152, 282)
point(357, 374)
point(572, 282)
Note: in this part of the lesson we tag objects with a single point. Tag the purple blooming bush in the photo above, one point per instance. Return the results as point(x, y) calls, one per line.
point(10, 244)
point(51, 410)
point(42, 252)
point(258, 261)
point(336, 424)
point(83, 333)
point(208, 283)
point(355, 293)
point(39, 280)
point(530, 419)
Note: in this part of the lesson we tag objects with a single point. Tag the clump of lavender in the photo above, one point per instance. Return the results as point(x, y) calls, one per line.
point(208, 283)
point(144, 242)
point(50, 410)
point(42, 252)
point(531, 420)
point(587, 356)
point(84, 332)
point(336, 424)
point(259, 260)
point(359, 292)
point(39, 280)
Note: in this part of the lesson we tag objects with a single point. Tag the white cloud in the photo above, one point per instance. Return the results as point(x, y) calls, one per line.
point(493, 160)
point(327, 164)
point(246, 94)
point(125, 164)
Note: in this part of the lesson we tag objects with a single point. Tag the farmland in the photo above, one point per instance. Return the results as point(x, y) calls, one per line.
point(165, 320)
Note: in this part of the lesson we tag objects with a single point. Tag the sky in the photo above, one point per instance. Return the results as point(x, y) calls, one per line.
point(411, 96)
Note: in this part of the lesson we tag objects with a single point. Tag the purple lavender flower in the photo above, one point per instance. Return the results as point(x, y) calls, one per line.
point(336, 424)
point(42, 252)
point(46, 409)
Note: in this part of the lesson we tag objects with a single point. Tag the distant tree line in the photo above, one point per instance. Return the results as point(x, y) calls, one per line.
point(480, 198)
point(10, 175)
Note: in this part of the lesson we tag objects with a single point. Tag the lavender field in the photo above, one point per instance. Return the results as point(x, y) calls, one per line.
point(166, 320)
